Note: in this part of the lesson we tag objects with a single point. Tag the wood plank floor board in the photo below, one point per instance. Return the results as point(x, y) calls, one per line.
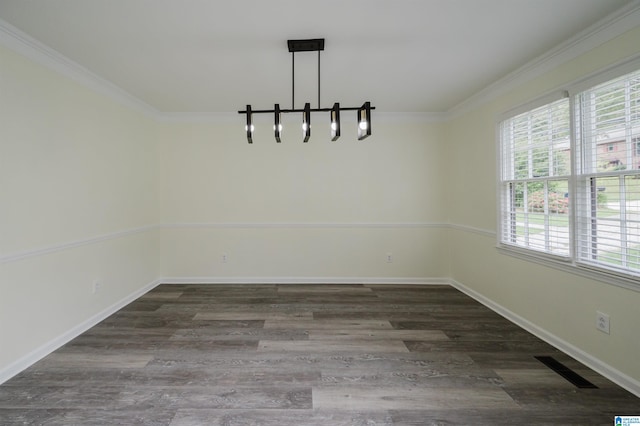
point(333, 346)
point(514, 360)
point(220, 334)
point(542, 377)
point(97, 359)
point(209, 346)
point(212, 377)
point(56, 397)
point(489, 335)
point(244, 316)
point(281, 418)
point(143, 306)
point(388, 398)
point(220, 397)
point(425, 314)
point(475, 346)
point(329, 324)
point(161, 295)
point(177, 375)
point(414, 379)
point(148, 397)
point(416, 335)
point(608, 402)
point(86, 417)
point(484, 417)
point(344, 300)
point(194, 354)
point(499, 325)
point(327, 289)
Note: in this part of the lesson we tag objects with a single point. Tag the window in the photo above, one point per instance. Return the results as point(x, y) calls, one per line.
point(535, 179)
point(608, 189)
point(575, 198)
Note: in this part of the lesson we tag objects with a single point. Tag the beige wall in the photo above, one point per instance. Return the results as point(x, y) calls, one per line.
point(561, 305)
point(321, 209)
point(77, 191)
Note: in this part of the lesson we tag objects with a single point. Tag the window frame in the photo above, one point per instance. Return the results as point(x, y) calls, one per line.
point(593, 228)
point(510, 179)
point(629, 279)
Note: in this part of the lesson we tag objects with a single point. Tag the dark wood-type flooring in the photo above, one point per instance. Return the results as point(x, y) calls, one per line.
point(307, 355)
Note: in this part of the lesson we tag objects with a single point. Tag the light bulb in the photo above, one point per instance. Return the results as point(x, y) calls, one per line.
point(304, 127)
point(279, 127)
point(247, 128)
point(363, 125)
point(334, 126)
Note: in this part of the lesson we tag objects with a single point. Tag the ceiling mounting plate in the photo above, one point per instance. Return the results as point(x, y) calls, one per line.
point(308, 45)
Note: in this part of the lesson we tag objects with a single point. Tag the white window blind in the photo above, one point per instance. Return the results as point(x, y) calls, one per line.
point(608, 179)
point(535, 171)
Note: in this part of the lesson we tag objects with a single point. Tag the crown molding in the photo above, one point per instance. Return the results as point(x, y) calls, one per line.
point(20, 42)
point(606, 29)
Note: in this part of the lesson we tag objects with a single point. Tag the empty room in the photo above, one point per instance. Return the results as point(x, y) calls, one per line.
point(320, 213)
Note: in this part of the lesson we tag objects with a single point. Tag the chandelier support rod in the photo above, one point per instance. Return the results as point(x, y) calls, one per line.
point(286, 111)
point(293, 80)
point(318, 79)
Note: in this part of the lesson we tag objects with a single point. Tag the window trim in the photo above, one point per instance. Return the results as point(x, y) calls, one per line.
point(570, 264)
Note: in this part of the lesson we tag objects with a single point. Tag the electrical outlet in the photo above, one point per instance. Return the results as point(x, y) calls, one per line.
point(389, 258)
point(602, 322)
point(97, 286)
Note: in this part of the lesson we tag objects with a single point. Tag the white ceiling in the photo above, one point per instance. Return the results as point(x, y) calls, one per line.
point(205, 56)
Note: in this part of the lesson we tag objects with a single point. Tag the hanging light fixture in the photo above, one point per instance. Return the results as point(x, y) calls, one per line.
point(363, 112)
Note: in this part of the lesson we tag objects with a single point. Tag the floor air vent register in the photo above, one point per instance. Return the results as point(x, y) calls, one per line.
point(566, 372)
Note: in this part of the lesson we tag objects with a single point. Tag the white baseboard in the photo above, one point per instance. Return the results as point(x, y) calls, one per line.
point(305, 280)
point(616, 376)
point(44, 350)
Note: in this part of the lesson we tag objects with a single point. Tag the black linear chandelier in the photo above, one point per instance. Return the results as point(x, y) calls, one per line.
point(363, 112)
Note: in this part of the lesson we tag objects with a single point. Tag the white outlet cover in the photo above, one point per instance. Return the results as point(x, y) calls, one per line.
point(602, 322)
